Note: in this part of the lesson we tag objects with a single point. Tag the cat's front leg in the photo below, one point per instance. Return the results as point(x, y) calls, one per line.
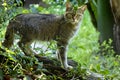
point(62, 55)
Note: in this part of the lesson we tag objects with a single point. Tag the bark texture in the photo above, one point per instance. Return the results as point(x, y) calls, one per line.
point(115, 6)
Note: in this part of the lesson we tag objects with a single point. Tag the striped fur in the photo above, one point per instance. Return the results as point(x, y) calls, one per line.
point(44, 27)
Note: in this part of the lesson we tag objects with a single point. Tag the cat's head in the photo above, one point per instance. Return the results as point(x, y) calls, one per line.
point(72, 15)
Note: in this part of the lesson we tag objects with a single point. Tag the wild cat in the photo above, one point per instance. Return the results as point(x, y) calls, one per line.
point(45, 27)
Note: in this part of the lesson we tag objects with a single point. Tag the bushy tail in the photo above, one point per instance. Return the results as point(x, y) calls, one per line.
point(9, 36)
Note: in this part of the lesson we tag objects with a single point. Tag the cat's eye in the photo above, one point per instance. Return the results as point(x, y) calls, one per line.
point(69, 16)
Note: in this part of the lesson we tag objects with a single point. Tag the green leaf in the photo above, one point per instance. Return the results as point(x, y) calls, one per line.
point(105, 72)
point(98, 67)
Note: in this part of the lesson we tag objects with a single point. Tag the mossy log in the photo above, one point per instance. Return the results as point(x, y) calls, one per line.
point(51, 67)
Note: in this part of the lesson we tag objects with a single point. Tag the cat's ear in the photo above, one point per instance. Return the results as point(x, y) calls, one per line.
point(83, 7)
point(68, 6)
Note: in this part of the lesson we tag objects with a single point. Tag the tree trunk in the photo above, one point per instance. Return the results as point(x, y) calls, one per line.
point(105, 20)
point(115, 5)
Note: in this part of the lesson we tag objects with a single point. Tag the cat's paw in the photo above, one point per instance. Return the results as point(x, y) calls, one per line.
point(68, 67)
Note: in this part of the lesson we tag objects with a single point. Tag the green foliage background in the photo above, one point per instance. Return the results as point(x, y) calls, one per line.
point(84, 47)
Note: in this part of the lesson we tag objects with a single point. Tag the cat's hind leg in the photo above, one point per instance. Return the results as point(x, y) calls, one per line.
point(24, 45)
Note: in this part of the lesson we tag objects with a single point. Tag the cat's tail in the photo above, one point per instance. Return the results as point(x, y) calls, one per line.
point(9, 35)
